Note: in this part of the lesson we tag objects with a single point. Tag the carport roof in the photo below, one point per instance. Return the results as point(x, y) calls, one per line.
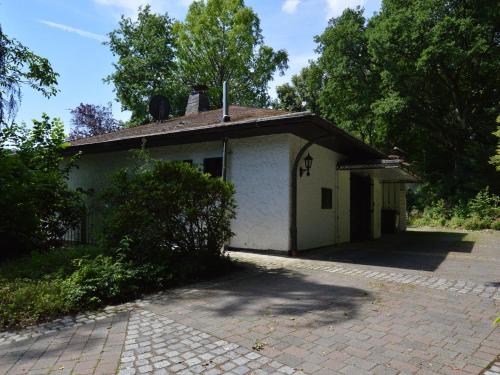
point(386, 170)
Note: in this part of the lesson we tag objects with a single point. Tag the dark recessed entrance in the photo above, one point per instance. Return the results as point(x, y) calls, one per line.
point(361, 207)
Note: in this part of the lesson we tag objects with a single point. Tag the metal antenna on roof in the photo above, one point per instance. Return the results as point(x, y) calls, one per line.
point(225, 103)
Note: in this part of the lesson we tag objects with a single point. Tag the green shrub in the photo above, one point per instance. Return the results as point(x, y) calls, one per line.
point(495, 224)
point(479, 212)
point(25, 302)
point(170, 215)
point(36, 205)
point(456, 222)
point(476, 223)
point(98, 280)
point(484, 205)
point(54, 263)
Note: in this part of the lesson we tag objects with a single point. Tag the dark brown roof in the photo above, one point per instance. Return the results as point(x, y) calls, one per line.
point(245, 122)
point(184, 123)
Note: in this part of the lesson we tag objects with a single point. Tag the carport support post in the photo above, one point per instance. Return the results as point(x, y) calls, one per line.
point(293, 251)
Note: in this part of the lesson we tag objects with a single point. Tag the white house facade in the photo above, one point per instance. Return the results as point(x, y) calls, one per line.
point(345, 194)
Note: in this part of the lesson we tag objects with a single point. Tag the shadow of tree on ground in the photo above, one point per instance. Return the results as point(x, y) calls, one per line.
point(256, 293)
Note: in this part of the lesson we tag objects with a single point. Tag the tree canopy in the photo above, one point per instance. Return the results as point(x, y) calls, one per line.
point(89, 119)
point(220, 40)
point(422, 75)
point(20, 66)
point(146, 63)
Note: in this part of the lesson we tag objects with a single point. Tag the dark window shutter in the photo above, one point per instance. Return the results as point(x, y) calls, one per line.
point(326, 199)
point(213, 166)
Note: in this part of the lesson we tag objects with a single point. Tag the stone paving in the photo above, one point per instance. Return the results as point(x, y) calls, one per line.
point(457, 286)
point(160, 345)
point(494, 369)
point(285, 316)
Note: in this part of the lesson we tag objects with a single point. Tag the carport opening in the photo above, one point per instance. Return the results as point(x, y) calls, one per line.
point(361, 207)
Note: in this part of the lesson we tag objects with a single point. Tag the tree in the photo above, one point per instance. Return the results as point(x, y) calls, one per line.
point(146, 64)
point(421, 75)
point(19, 66)
point(303, 93)
point(352, 84)
point(439, 63)
point(36, 205)
point(89, 120)
point(221, 40)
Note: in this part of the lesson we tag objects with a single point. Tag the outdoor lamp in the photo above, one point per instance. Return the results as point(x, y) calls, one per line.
point(308, 160)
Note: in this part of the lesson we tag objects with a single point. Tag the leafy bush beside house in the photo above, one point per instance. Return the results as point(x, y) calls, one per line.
point(36, 205)
point(167, 223)
point(480, 212)
point(168, 213)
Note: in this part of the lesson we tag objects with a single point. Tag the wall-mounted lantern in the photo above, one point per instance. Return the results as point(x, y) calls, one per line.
point(308, 160)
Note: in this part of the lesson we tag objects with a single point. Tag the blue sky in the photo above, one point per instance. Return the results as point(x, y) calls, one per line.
point(70, 34)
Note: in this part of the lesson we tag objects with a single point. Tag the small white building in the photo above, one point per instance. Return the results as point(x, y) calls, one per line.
point(300, 181)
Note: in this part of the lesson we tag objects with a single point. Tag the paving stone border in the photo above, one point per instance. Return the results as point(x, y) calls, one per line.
point(56, 325)
point(157, 345)
point(424, 280)
point(494, 369)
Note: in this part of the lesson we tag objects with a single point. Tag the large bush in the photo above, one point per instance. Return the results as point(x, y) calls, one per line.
point(36, 205)
point(480, 212)
point(170, 214)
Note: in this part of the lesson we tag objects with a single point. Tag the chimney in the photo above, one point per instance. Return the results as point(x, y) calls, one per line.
point(198, 100)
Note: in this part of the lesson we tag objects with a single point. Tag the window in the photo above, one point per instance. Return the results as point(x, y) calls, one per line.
point(213, 166)
point(326, 199)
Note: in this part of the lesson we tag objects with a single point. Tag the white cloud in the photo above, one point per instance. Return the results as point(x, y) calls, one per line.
point(290, 6)
point(336, 7)
point(130, 6)
point(69, 29)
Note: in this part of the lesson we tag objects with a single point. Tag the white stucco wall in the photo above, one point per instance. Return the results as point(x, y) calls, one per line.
point(316, 227)
point(394, 198)
point(343, 206)
point(377, 199)
point(402, 207)
point(258, 166)
point(260, 170)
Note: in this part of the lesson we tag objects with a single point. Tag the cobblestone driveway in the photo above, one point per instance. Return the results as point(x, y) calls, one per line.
point(374, 308)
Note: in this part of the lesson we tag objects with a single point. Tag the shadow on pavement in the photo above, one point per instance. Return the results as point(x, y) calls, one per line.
point(277, 292)
point(414, 250)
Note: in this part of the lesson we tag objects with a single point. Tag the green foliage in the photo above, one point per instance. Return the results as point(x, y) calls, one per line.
point(496, 224)
point(24, 301)
point(480, 212)
point(37, 207)
point(31, 287)
point(168, 213)
point(146, 64)
point(421, 75)
point(221, 40)
point(19, 66)
point(100, 279)
point(304, 92)
point(495, 159)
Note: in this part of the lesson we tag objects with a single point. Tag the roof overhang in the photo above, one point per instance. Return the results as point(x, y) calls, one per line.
point(303, 124)
point(385, 170)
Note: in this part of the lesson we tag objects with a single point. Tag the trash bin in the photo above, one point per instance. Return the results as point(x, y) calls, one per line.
point(390, 221)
